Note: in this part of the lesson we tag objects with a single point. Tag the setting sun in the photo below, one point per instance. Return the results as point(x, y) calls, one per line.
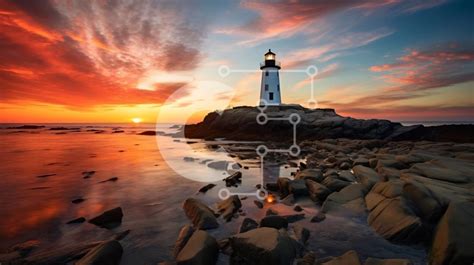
point(136, 120)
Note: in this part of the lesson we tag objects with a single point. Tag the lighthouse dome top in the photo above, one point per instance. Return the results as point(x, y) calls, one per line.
point(269, 55)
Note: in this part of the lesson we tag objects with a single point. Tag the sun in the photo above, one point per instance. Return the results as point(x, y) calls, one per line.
point(136, 120)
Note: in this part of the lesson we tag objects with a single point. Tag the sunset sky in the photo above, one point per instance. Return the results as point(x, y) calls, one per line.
point(111, 61)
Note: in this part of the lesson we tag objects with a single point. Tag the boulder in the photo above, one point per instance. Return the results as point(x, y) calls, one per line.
point(317, 192)
point(201, 249)
point(274, 221)
point(349, 200)
point(350, 257)
point(391, 216)
point(283, 186)
point(361, 161)
point(374, 261)
point(429, 207)
point(229, 207)
point(345, 166)
point(366, 176)
point(107, 253)
point(263, 246)
point(200, 215)
point(184, 235)
point(108, 219)
point(247, 225)
point(346, 175)
point(335, 184)
point(451, 170)
point(453, 241)
point(312, 174)
point(298, 188)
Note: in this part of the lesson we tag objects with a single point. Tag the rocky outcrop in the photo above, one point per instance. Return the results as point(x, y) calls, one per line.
point(107, 253)
point(263, 246)
point(366, 176)
point(201, 249)
point(349, 200)
point(200, 215)
point(241, 123)
point(390, 214)
point(108, 219)
point(453, 241)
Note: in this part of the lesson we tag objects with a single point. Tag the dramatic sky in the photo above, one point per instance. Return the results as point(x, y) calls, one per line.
point(110, 61)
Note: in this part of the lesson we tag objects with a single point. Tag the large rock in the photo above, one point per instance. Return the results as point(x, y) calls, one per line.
point(247, 225)
point(200, 215)
point(453, 242)
point(366, 176)
point(349, 200)
point(263, 246)
point(391, 215)
point(108, 219)
point(184, 235)
point(201, 249)
point(284, 186)
point(451, 170)
point(350, 257)
point(317, 192)
point(335, 184)
point(374, 261)
point(429, 207)
point(229, 207)
point(298, 187)
point(274, 221)
point(107, 253)
point(312, 174)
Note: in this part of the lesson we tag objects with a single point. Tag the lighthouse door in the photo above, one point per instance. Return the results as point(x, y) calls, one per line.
point(271, 96)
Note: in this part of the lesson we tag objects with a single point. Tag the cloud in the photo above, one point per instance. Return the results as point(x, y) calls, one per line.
point(429, 69)
point(285, 18)
point(88, 53)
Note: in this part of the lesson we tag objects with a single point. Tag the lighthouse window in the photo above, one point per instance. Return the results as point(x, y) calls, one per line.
point(266, 87)
point(266, 73)
point(271, 96)
point(278, 87)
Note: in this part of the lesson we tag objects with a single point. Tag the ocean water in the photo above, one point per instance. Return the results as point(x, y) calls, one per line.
point(154, 178)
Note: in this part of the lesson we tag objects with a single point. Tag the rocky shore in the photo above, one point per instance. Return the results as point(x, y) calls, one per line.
point(409, 193)
point(240, 123)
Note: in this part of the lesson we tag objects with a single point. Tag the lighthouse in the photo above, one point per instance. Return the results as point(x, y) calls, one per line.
point(270, 87)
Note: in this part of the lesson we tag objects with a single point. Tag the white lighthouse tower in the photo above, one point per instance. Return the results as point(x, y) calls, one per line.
point(270, 87)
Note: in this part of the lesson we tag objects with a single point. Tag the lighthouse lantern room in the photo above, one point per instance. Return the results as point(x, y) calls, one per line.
point(270, 87)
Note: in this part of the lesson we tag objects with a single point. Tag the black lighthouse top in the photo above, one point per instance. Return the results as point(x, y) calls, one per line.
point(270, 60)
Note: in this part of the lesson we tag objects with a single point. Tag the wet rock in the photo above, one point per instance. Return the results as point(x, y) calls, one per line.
point(78, 200)
point(393, 163)
point(200, 215)
point(350, 257)
point(389, 173)
point(453, 240)
point(317, 192)
point(234, 179)
point(346, 175)
point(345, 166)
point(429, 207)
point(451, 170)
point(349, 200)
point(312, 174)
point(258, 203)
point(271, 211)
point(229, 207)
point(391, 216)
point(277, 248)
point(184, 235)
point(297, 208)
point(219, 165)
point(206, 188)
point(113, 179)
point(308, 259)
point(298, 188)
point(107, 253)
point(374, 261)
point(247, 225)
point(201, 249)
point(361, 161)
point(108, 219)
point(302, 234)
point(291, 218)
point(335, 184)
point(319, 217)
point(77, 220)
point(274, 221)
point(366, 176)
point(284, 186)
